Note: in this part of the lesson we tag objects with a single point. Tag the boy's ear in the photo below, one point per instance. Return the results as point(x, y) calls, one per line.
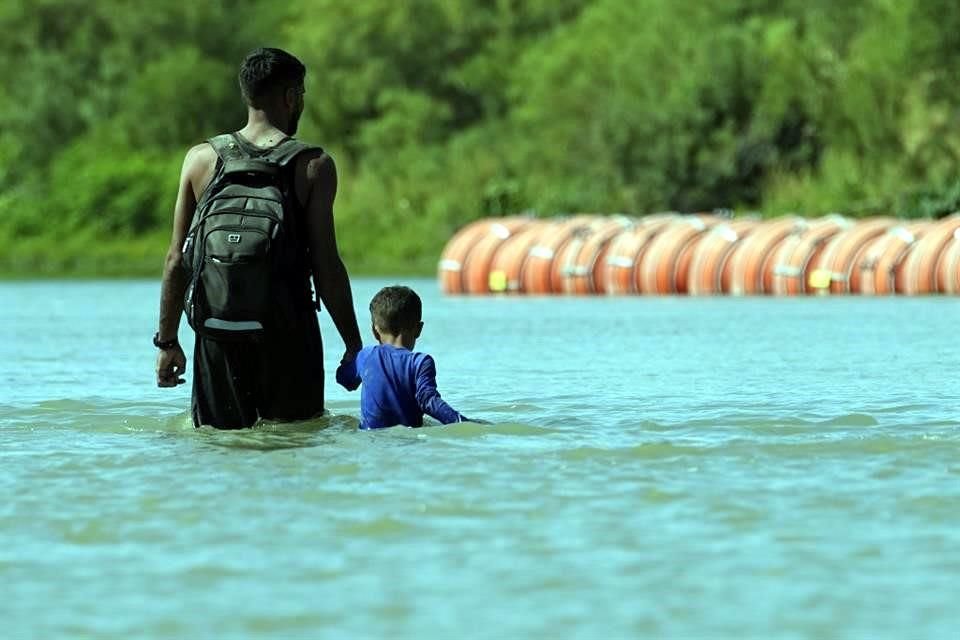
point(376, 334)
point(419, 328)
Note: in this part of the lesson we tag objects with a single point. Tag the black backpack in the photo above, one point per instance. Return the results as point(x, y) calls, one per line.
point(243, 240)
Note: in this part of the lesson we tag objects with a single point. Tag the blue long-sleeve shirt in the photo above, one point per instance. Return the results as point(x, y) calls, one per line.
point(399, 386)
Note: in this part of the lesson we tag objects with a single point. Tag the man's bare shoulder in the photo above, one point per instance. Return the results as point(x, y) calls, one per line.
point(315, 173)
point(198, 167)
point(317, 164)
point(200, 155)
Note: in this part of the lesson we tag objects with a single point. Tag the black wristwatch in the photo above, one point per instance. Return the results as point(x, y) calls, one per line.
point(167, 344)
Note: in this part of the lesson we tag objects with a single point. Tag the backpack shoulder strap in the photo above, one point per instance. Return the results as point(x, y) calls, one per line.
point(284, 153)
point(227, 147)
point(227, 150)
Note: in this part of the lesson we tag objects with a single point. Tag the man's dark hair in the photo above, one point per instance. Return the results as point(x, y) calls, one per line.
point(266, 72)
point(396, 308)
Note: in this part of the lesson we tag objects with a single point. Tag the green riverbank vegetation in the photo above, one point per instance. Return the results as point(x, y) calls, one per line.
point(439, 112)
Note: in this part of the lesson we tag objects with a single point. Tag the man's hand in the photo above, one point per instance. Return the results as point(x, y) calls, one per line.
point(350, 355)
point(347, 371)
point(171, 364)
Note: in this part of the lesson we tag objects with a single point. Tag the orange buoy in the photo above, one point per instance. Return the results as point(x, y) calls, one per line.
point(506, 264)
point(475, 274)
point(538, 273)
point(619, 271)
point(710, 256)
point(564, 261)
point(791, 263)
point(920, 264)
point(664, 266)
point(702, 254)
point(920, 229)
point(883, 256)
point(948, 268)
point(450, 267)
point(682, 274)
point(751, 262)
point(582, 260)
point(838, 263)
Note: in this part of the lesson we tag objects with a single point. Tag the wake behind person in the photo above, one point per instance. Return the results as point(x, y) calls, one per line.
point(252, 224)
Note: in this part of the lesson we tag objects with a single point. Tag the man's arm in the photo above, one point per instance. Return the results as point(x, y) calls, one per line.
point(348, 373)
point(329, 273)
point(172, 363)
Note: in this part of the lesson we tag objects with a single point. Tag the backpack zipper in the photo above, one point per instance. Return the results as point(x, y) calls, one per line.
point(234, 228)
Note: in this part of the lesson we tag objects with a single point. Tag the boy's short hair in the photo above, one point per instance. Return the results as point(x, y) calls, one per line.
point(266, 72)
point(396, 308)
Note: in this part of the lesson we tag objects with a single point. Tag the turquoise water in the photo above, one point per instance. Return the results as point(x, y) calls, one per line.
point(659, 467)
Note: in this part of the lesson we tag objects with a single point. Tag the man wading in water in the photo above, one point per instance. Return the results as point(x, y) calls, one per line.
point(265, 225)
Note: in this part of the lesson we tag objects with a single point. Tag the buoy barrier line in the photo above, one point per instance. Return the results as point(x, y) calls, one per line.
point(711, 254)
point(506, 266)
point(658, 262)
point(582, 272)
point(948, 267)
point(657, 270)
point(899, 274)
point(537, 276)
point(920, 264)
point(881, 269)
point(840, 258)
point(476, 268)
point(454, 254)
point(702, 254)
point(455, 259)
point(751, 261)
point(589, 225)
point(680, 273)
point(619, 275)
point(709, 261)
point(791, 263)
point(450, 265)
point(815, 280)
point(565, 258)
point(726, 267)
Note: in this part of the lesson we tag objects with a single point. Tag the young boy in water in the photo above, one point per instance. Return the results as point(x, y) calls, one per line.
point(399, 384)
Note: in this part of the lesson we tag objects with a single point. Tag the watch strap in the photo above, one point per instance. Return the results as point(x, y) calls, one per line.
point(164, 344)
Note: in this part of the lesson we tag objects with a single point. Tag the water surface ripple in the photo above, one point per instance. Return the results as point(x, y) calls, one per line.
point(662, 467)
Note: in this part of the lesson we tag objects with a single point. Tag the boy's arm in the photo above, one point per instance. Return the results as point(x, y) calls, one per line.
point(429, 398)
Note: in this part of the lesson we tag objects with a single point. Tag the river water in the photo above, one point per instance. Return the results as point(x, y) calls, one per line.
point(658, 467)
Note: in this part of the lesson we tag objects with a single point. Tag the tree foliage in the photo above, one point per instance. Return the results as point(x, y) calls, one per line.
point(442, 111)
